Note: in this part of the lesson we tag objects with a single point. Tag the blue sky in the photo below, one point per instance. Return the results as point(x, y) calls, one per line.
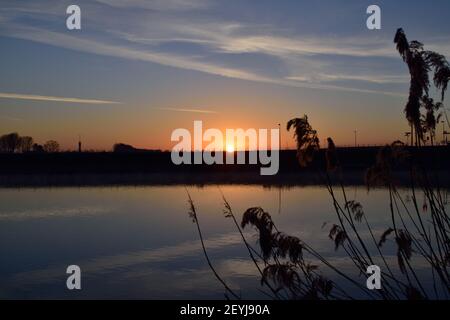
point(246, 63)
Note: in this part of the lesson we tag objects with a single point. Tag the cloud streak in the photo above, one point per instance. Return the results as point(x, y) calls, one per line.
point(21, 96)
point(160, 5)
point(172, 60)
point(10, 118)
point(182, 34)
point(188, 110)
point(97, 47)
point(320, 77)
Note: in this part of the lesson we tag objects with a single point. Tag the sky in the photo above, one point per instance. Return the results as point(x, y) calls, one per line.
point(139, 69)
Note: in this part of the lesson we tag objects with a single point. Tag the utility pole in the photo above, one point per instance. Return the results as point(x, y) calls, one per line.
point(279, 136)
point(443, 132)
point(355, 131)
point(79, 143)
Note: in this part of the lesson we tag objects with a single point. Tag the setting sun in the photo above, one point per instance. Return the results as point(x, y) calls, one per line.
point(230, 147)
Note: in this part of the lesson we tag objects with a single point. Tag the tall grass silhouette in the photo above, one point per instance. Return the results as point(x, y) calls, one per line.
point(291, 269)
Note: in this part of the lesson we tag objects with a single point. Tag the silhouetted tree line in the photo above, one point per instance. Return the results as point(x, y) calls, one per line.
point(122, 147)
point(14, 143)
point(127, 148)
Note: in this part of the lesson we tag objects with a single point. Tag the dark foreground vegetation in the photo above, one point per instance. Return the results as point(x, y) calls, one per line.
point(419, 266)
point(103, 168)
point(292, 269)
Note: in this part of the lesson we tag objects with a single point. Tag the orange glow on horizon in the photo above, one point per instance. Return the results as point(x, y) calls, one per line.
point(230, 148)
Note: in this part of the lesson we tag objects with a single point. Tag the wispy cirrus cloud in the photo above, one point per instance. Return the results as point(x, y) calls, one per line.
point(114, 50)
point(183, 34)
point(168, 59)
point(161, 5)
point(379, 79)
point(9, 118)
point(21, 96)
point(282, 46)
point(188, 110)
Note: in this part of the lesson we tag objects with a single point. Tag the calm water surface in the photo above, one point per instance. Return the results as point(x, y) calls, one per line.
point(138, 242)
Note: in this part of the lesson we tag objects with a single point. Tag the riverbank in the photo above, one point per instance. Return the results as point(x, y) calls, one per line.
point(307, 178)
point(156, 168)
